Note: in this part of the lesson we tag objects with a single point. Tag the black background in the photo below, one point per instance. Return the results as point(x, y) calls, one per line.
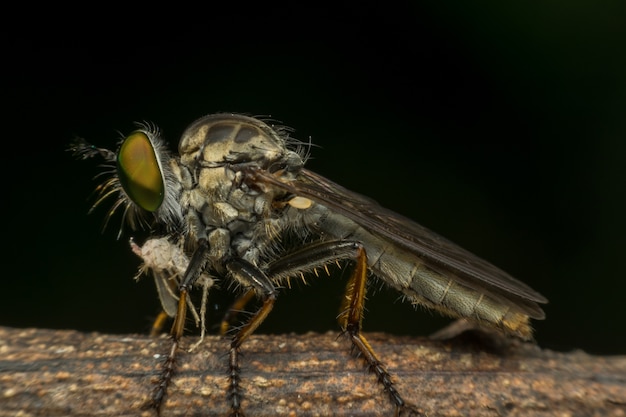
point(501, 127)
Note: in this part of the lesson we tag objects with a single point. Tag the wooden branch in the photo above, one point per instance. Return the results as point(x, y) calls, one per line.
point(68, 373)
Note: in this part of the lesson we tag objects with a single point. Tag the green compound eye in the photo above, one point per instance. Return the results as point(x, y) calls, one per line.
point(139, 171)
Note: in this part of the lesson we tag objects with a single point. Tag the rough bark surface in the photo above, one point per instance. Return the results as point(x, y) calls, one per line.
point(68, 373)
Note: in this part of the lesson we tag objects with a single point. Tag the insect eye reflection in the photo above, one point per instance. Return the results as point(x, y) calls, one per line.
point(139, 171)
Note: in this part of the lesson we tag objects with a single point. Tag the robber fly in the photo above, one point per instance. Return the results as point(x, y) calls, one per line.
point(236, 204)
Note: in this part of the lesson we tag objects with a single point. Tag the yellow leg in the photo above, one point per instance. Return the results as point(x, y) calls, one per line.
point(350, 320)
point(159, 322)
point(239, 304)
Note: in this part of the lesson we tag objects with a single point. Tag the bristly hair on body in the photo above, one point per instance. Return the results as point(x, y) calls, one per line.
point(169, 212)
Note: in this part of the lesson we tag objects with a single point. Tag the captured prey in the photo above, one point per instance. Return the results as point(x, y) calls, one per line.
point(236, 205)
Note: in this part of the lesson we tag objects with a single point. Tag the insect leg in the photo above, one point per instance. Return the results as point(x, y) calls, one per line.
point(351, 316)
point(306, 259)
point(169, 365)
point(350, 320)
point(158, 324)
point(247, 274)
point(196, 265)
point(235, 308)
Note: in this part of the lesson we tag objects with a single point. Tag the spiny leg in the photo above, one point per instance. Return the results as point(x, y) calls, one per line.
point(249, 275)
point(169, 366)
point(159, 322)
point(196, 265)
point(350, 320)
point(317, 254)
point(236, 307)
point(295, 263)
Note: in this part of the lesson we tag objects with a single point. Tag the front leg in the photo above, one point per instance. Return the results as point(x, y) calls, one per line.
point(194, 269)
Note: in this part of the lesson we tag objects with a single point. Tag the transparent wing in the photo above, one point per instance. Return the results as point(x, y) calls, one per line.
point(438, 252)
point(167, 291)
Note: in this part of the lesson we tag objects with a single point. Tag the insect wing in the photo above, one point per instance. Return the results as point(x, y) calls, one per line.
point(166, 288)
point(157, 256)
point(438, 252)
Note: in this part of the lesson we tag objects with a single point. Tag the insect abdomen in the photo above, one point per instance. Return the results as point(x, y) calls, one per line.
point(425, 286)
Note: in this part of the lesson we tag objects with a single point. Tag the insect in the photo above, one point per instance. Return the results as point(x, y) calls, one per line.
point(166, 261)
point(237, 204)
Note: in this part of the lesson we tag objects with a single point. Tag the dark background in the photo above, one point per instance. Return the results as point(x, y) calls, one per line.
point(501, 127)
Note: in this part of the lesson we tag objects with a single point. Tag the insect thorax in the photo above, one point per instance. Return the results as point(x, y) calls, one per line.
point(235, 217)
